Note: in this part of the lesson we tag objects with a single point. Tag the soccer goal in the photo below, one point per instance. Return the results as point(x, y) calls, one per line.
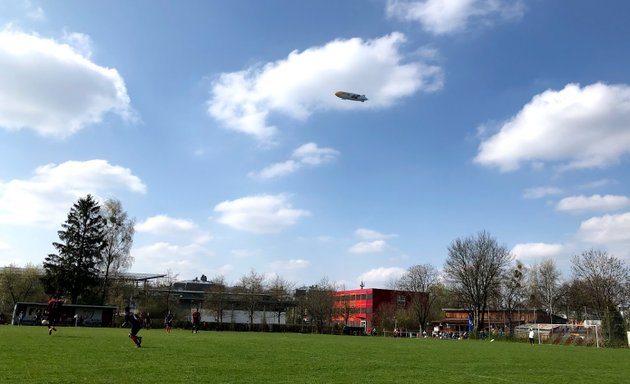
point(587, 334)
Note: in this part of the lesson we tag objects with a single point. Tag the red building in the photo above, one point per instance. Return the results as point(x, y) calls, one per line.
point(360, 307)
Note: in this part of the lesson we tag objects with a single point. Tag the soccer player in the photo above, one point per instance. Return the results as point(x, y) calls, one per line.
point(168, 322)
point(53, 311)
point(136, 325)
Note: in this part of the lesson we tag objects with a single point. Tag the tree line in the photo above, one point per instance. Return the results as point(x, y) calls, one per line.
point(478, 274)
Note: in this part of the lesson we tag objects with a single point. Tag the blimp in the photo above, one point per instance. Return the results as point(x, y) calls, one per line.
point(350, 96)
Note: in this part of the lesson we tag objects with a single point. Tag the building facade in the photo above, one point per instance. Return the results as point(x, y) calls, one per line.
point(363, 307)
point(458, 319)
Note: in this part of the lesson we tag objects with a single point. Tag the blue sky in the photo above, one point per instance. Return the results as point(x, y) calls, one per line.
point(216, 125)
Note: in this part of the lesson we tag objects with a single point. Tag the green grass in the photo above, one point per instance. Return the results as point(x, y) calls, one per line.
point(94, 355)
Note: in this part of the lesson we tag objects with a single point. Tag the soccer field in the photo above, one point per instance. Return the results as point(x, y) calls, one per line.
point(106, 355)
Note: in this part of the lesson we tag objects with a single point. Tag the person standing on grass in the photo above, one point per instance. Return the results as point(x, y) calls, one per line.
point(147, 321)
point(531, 336)
point(136, 325)
point(168, 322)
point(38, 316)
point(196, 320)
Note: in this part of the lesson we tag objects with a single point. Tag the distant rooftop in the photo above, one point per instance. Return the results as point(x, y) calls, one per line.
point(140, 276)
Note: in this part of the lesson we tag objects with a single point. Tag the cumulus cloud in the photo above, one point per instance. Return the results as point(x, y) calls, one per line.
point(306, 81)
point(576, 127)
point(259, 214)
point(540, 192)
point(381, 276)
point(51, 88)
point(306, 155)
point(607, 230)
point(369, 234)
point(442, 17)
point(375, 246)
point(374, 241)
point(592, 203)
point(47, 196)
point(535, 251)
point(163, 225)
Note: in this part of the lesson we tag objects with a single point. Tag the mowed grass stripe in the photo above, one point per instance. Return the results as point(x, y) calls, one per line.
point(105, 355)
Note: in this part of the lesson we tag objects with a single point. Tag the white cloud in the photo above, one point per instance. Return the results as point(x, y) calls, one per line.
point(80, 43)
point(311, 154)
point(164, 225)
point(369, 234)
point(375, 241)
point(375, 246)
point(540, 192)
point(291, 264)
point(163, 256)
point(381, 276)
point(307, 154)
point(259, 214)
point(306, 81)
point(576, 127)
point(277, 170)
point(441, 17)
point(49, 87)
point(593, 203)
point(46, 198)
point(534, 251)
point(608, 230)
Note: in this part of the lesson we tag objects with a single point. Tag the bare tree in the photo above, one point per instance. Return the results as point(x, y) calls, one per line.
point(281, 292)
point(575, 298)
point(474, 267)
point(513, 292)
point(119, 231)
point(605, 276)
point(319, 302)
point(421, 279)
point(20, 284)
point(606, 279)
point(171, 299)
point(251, 287)
point(343, 308)
point(545, 285)
point(216, 298)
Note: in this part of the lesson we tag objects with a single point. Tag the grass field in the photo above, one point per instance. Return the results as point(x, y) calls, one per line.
point(95, 355)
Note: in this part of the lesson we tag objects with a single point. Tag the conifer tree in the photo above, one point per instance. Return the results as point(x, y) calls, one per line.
point(73, 270)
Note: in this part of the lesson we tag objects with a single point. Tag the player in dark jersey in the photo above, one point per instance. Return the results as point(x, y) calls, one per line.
point(196, 321)
point(168, 322)
point(53, 312)
point(136, 325)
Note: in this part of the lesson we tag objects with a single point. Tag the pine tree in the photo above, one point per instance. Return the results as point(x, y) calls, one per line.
point(73, 270)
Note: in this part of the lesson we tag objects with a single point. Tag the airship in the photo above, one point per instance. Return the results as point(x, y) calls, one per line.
point(350, 96)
